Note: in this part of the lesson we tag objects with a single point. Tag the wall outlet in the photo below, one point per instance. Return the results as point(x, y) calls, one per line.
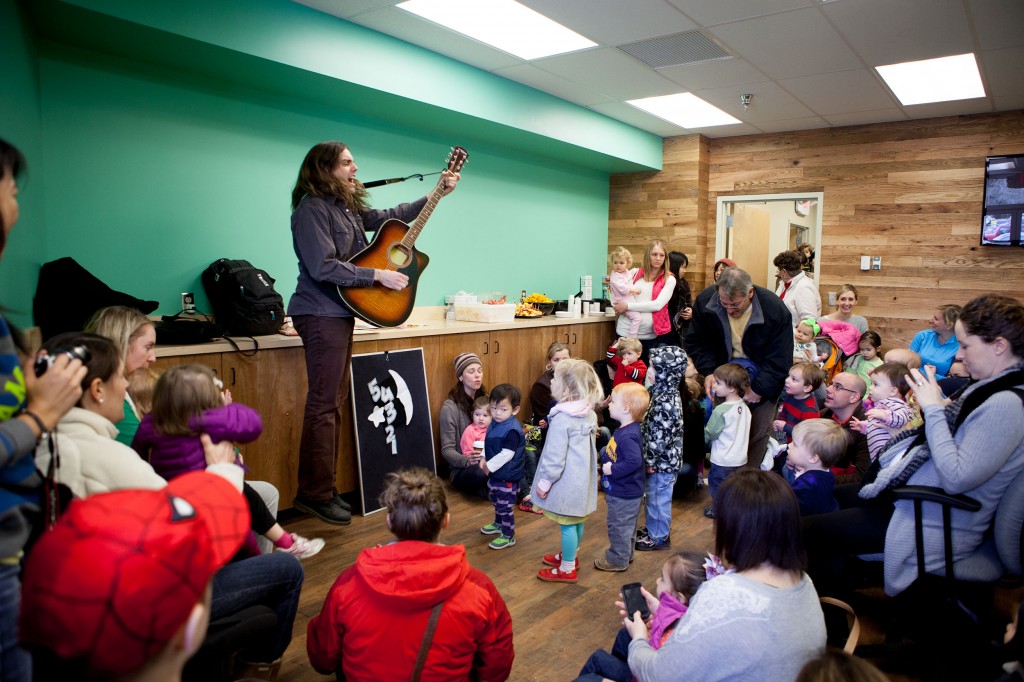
point(876, 262)
point(831, 298)
point(188, 302)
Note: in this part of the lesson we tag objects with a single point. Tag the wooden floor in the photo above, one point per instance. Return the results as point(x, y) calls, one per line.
point(556, 626)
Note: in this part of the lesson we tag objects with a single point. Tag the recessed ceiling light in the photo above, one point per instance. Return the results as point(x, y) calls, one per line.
point(934, 80)
point(504, 24)
point(686, 110)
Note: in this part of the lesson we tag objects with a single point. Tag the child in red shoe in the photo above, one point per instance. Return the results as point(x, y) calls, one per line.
point(565, 487)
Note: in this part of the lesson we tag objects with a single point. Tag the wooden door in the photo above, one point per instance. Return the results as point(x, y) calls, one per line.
point(748, 242)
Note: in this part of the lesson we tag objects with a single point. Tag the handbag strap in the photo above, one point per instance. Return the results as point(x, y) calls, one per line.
point(421, 658)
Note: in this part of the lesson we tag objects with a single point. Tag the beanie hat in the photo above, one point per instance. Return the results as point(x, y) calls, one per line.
point(119, 574)
point(464, 360)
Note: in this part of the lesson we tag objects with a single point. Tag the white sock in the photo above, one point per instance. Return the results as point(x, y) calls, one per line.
point(567, 566)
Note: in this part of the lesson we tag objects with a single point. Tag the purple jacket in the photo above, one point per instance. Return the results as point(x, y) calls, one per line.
point(172, 456)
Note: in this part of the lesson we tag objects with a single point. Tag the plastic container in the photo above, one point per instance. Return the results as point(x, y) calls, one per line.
point(481, 312)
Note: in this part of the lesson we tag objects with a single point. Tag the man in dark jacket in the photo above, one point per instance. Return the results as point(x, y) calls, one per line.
point(734, 309)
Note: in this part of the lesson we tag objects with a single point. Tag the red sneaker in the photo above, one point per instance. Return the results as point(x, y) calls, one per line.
point(556, 560)
point(554, 575)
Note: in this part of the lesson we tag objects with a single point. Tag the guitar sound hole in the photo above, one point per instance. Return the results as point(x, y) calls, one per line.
point(399, 256)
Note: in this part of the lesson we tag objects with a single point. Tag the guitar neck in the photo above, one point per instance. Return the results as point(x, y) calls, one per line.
point(421, 219)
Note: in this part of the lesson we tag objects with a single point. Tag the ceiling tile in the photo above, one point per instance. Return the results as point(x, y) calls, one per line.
point(768, 102)
point(641, 119)
point(610, 72)
point(865, 117)
point(344, 8)
point(955, 108)
point(728, 131)
point(841, 91)
point(530, 75)
point(889, 32)
point(999, 23)
point(712, 74)
point(1002, 71)
point(711, 12)
point(614, 22)
point(792, 124)
point(790, 44)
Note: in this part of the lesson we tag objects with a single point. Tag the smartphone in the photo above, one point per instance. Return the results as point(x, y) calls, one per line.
point(635, 601)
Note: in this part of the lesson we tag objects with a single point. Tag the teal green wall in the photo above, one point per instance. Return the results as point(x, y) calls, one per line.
point(159, 176)
point(162, 139)
point(19, 125)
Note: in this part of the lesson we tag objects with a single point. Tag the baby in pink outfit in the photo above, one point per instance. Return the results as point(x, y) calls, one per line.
point(621, 285)
point(477, 429)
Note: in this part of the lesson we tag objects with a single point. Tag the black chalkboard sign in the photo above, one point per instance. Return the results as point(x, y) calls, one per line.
point(391, 413)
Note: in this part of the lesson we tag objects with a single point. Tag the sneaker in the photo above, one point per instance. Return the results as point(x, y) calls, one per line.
point(642, 533)
point(701, 481)
point(501, 542)
point(491, 529)
point(555, 575)
point(325, 510)
point(340, 502)
point(303, 548)
point(602, 565)
point(649, 544)
point(709, 513)
point(556, 560)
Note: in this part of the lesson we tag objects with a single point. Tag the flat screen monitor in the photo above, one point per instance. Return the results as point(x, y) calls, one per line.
point(1004, 201)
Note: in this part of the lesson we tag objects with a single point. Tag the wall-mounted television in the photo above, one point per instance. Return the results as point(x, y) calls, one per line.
point(1004, 201)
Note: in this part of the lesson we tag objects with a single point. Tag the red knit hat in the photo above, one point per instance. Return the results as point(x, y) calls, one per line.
point(119, 574)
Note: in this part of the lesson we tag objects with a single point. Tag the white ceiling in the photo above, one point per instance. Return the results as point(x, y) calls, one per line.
point(806, 63)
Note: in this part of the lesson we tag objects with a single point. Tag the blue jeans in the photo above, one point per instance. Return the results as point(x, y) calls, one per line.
point(717, 477)
point(15, 662)
point(659, 505)
point(273, 580)
point(612, 666)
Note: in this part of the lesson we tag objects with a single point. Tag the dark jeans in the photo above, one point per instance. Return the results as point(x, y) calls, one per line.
point(612, 666)
point(471, 480)
point(327, 343)
point(273, 580)
point(833, 539)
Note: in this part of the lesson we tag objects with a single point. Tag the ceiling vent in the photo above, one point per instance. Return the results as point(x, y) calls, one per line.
point(679, 49)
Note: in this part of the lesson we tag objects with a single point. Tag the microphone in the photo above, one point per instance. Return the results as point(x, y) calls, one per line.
point(378, 183)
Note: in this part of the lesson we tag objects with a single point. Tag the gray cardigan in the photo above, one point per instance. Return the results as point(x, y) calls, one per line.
point(569, 463)
point(452, 422)
point(980, 461)
point(737, 629)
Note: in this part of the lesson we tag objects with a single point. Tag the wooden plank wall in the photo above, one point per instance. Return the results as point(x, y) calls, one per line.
point(910, 192)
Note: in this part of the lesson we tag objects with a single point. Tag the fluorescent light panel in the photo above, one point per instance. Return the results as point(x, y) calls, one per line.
point(686, 110)
point(504, 24)
point(934, 80)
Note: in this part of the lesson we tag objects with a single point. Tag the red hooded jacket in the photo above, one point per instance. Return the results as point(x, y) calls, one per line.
point(373, 620)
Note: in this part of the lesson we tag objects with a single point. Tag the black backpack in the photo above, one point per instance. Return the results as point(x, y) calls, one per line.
point(243, 298)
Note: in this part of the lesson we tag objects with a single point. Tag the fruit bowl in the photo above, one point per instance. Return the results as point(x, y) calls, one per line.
point(545, 308)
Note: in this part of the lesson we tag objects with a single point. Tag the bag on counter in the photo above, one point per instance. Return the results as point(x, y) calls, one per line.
point(243, 298)
point(179, 330)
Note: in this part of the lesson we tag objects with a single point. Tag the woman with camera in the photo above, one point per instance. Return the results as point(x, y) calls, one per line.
point(30, 406)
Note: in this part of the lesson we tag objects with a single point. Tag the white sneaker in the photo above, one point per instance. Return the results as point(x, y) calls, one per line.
point(303, 548)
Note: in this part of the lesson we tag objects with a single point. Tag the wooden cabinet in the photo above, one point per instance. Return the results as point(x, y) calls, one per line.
point(273, 381)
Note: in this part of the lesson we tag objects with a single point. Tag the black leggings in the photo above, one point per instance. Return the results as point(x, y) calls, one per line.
point(262, 519)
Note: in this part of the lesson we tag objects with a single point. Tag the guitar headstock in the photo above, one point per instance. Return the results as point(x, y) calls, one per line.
point(457, 158)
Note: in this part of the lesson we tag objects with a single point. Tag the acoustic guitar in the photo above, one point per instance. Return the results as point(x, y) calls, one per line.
point(393, 248)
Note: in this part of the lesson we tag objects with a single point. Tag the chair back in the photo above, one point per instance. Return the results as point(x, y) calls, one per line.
point(1009, 526)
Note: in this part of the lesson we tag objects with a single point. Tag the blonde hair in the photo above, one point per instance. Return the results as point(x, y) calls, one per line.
point(843, 288)
point(120, 324)
point(621, 252)
point(579, 381)
point(648, 275)
point(628, 344)
point(141, 386)
point(824, 438)
point(555, 347)
point(634, 397)
point(182, 393)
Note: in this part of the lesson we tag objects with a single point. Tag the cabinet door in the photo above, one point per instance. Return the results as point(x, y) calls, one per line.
point(211, 360)
point(273, 382)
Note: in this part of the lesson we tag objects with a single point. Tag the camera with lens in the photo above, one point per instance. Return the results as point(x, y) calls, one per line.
point(44, 362)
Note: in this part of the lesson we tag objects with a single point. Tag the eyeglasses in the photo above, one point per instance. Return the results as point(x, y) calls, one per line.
point(840, 387)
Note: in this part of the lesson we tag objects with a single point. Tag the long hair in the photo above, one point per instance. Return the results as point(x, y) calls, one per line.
point(120, 324)
point(317, 179)
point(759, 522)
point(579, 381)
point(182, 393)
point(649, 272)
